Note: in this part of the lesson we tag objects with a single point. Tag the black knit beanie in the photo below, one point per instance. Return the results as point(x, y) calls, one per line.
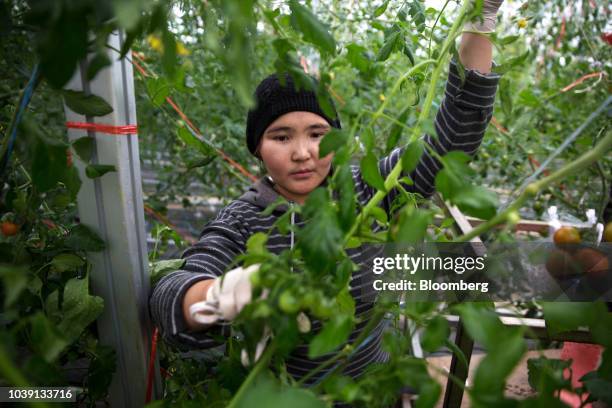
point(272, 100)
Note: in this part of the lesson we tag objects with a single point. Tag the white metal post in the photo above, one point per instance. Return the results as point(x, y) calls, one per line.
point(112, 205)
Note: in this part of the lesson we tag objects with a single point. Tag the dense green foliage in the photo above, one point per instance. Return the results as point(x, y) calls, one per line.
point(382, 63)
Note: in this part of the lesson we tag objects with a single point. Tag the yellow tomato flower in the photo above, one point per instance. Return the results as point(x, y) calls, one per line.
point(155, 43)
point(522, 23)
point(381, 97)
point(181, 49)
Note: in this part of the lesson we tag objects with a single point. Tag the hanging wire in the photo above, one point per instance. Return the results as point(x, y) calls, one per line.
point(23, 103)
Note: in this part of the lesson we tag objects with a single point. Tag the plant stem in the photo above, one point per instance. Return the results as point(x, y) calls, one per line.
point(434, 26)
point(396, 87)
point(391, 179)
point(259, 366)
point(582, 162)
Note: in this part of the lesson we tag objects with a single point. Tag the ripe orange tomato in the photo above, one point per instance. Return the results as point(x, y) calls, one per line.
point(592, 262)
point(566, 235)
point(9, 228)
point(561, 265)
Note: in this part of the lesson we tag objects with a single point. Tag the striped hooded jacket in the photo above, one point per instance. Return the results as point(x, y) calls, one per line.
point(460, 123)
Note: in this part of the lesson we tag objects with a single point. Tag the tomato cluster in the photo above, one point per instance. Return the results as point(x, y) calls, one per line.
point(573, 260)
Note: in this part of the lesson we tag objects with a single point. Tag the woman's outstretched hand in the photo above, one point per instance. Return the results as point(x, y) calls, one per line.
point(476, 51)
point(489, 16)
point(225, 297)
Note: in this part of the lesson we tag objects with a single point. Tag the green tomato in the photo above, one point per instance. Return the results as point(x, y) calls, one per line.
point(255, 279)
point(310, 299)
point(322, 309)
point(288, 303)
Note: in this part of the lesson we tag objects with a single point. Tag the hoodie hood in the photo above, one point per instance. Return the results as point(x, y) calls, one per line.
point(261, 194)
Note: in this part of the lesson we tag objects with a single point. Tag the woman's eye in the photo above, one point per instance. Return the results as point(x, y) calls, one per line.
point(281, 138)
point(318, 135)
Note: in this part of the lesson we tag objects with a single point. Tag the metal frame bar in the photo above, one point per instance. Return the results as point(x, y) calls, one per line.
point(113, 206)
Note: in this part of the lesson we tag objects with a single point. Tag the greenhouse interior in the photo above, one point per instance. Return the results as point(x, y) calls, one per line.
point(306, 203)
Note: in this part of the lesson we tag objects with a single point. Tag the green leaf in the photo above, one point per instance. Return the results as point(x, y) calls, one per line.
point(343, 387)
point(101, 371)
point(50, 167)
point(332, 141)
point(313, 30)
point(99, 61)
point(597, 387)
point(98, 170)
point(367, 138)
point(408, 51)
point(334, 333)
point(58, 63)
point(45, 338)
point(14, 281)
point(159, 269)
point(412, 156)
point(256, 243)
point(82, 238)
point(67, 262)
point(482, 324)
point(381, 9)
point(371, 173)
point(128, 12)
point(83, 147)
point(476, 201)
point(505, 347)
point(413, 225)
point(379, 214)
point(321, 239)
point(342, 276)
point(79, 308)
point(391, 44)
point(157, 89)
point(201, 162)
point(511, 63)
point(323, 96)
point(397, 130)
point(546, 375)
point(527, 98)
point(567, 316)
point(267, 392)
point(356, 55)
point(499, 362)
point(169, 57)
point(346, 202)
point(505, 96)
point(52, 308)
point(88, 105)
point(450, 180)
point(509, 39)
point(435, 335)
point(417, 12)
point(194, 142)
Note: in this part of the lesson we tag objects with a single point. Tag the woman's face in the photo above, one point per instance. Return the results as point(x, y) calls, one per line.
point(289, 149)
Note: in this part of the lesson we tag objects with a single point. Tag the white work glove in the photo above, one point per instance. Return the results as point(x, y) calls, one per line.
point(225, 298)
point(489, 16)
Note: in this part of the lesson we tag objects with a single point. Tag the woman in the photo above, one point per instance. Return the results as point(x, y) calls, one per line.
point(194, 305)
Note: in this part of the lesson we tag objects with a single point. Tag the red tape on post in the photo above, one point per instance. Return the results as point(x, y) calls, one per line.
point(98, 127)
